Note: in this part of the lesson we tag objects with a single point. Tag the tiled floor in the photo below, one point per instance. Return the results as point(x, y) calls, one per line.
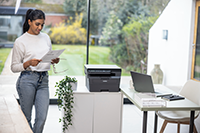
point(131, 121)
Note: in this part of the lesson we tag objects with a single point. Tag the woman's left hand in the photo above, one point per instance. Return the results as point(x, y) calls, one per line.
point(55, 60)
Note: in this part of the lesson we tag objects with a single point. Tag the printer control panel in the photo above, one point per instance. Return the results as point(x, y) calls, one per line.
point(99, 71)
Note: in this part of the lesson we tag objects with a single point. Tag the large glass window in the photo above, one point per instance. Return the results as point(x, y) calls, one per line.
point(118, 32)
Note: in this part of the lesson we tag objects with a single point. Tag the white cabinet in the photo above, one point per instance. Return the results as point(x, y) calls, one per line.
point(97, 112)
point(107, 113)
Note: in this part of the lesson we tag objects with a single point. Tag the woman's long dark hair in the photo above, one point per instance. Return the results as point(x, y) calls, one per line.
point(32, 15)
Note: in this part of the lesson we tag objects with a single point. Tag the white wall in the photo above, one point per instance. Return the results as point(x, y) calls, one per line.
point(174, 54)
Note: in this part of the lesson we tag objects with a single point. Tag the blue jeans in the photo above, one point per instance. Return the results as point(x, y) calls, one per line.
point(33, 88)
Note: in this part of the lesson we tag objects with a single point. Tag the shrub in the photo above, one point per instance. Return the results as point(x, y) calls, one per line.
point(124, 57)
point(72, 32)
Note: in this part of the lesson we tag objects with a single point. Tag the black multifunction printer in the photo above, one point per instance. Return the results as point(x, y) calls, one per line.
point(102, 78)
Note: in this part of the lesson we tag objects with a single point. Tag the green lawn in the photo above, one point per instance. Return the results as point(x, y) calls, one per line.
point(4, 52)
point(75, 56)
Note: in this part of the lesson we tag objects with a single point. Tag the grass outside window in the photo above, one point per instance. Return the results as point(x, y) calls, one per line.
point(4, 52)
point(75, 56)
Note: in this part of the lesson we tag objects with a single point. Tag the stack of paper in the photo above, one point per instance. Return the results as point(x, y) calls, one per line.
point(149, 100)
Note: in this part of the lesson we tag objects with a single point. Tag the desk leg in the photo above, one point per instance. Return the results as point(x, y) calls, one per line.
point(191, 121)
point(144, 129)
point(155, 123)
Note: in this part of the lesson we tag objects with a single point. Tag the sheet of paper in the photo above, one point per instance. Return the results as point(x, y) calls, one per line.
point(52, 54)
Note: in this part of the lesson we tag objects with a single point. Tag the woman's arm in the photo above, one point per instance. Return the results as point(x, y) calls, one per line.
point(17, 64)
point(17, 59)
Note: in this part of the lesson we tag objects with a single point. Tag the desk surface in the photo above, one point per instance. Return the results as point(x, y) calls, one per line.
point(12, 119)
point(183, 105)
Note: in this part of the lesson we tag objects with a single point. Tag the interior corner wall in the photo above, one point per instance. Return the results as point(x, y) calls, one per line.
point(172, 54)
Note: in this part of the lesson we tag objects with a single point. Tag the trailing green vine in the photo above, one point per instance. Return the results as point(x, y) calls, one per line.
point(65, 100)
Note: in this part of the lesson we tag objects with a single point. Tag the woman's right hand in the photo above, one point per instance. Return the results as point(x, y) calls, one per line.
point(32, 62)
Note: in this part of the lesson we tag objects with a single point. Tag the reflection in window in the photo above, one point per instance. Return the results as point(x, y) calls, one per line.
point(9, 31)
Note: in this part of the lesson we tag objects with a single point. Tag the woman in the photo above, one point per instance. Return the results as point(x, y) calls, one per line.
point(32, 84)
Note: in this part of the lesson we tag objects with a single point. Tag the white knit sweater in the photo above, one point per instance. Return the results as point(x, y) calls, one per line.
point(27, 47)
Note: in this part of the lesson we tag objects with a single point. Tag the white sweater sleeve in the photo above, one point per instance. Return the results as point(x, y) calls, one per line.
point(17, 59)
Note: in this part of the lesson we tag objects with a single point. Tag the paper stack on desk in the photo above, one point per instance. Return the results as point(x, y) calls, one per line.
point(149, 100)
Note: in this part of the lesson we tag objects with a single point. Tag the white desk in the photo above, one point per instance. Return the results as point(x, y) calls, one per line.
point(183, 105)
point(12, 119)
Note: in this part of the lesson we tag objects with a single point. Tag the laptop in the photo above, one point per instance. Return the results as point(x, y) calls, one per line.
point(143, 83)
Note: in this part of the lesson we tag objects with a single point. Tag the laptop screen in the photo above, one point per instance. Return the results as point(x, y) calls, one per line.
point(142, 82)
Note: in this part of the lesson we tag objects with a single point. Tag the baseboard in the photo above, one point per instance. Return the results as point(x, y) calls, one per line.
point(54, 101)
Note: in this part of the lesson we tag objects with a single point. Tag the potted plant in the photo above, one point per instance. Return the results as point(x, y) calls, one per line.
point(64, 92)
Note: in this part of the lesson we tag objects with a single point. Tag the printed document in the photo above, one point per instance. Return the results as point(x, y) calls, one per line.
point(52, 54)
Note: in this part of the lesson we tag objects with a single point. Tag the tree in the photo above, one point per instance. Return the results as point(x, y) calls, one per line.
point(137, 17)
point(130, 9)
point(71, 7)
point(99, 12)
point(111, 31)
point(134, 48)
point(157, 6)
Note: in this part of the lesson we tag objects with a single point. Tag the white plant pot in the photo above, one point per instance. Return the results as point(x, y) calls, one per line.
point(74, 86)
